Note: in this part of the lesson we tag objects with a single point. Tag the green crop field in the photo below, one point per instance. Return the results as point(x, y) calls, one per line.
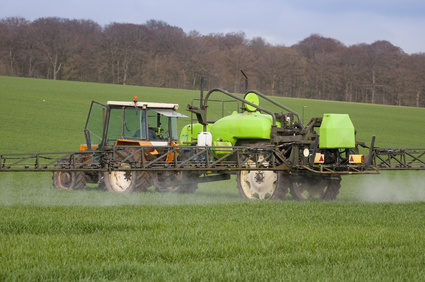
point(374, 231)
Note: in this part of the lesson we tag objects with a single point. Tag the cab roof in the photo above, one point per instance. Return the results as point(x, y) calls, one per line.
point(144, 105)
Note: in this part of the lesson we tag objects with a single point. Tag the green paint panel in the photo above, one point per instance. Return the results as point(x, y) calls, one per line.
point(336, 131)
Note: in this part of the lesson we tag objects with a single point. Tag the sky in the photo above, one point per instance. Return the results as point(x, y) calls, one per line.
point(278, 22)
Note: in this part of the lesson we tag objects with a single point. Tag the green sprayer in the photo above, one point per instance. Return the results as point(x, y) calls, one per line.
point(133, 145)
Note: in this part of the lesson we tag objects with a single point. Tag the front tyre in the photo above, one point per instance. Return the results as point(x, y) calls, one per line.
point(69, 180)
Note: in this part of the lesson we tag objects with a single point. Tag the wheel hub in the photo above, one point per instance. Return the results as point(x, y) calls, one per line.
point(259, 177)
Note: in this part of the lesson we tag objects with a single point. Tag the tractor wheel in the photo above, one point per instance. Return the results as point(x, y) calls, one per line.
point(257, 184)
point(165, 182)
point(68, 180)
point(262, 184)
point(191, 185)
point(282, 185)
point(333, 188)
point(126, 181)
point(309, 188)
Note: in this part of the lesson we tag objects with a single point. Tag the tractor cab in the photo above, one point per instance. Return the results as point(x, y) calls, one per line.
point(131, 123)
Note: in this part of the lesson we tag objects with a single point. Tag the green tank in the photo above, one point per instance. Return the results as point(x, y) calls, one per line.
point(241, 126)
point(250, 125)
point(337, 132)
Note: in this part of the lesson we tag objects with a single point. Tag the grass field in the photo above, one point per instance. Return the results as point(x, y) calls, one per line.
point(375, 231)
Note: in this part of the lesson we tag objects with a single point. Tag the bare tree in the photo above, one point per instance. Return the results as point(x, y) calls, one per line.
point(414, 88)
point(279, 69)
point(12, 42)
point(122, 44)
point(82, 61)
point(55, 43)
point(379, 56)
point(322, 74)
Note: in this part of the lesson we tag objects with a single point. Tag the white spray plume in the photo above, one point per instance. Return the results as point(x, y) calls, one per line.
point(402, 186)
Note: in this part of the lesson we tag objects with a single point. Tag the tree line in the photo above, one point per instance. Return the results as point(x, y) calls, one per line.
point(158, 54)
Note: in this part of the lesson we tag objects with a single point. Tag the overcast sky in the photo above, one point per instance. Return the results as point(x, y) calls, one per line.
point(279, 22)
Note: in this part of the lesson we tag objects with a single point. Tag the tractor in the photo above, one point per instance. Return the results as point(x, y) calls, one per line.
point(127, 125)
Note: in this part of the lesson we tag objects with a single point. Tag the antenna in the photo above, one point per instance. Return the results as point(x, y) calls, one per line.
point(246, 81)
point(202, 92)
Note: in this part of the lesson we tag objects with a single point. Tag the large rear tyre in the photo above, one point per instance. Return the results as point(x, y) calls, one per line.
point(126, 181)
point(333, 188)
point(262, 185)
point(307, 188)
point(282, 186)
point(256, 184)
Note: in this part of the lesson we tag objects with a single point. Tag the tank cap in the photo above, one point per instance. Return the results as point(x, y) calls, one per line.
point(253, 98)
